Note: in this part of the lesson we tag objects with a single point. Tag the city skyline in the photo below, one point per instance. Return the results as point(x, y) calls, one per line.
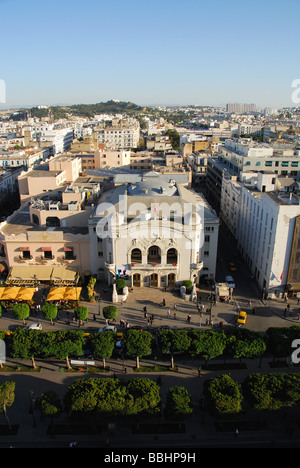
point(203, 53)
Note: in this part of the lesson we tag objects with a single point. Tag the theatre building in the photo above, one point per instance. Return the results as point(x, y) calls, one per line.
point(154, 231)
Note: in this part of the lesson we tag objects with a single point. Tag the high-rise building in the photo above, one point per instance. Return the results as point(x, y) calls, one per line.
point(240, 108)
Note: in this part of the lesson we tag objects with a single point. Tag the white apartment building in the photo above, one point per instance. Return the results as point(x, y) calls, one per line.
point(249, 129)
point(18, 158)
point(46, 134)
point(120, 136)
point(262, 220)
point(244, 154)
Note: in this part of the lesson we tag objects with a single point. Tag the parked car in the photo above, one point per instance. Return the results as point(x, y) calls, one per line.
point(87, 354)
point(241, 320)
point(230, 281)
point(34, 326)
point(232, 266)
point(108, 327)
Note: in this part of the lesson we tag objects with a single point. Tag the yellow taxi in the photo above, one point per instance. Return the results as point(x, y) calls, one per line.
point(232, 266)
point(242, 317)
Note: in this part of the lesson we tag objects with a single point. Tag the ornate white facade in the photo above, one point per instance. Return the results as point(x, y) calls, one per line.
point(154, 231)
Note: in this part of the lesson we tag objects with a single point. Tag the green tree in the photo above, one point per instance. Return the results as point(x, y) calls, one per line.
point(7, 398)
point(67, 343)
point(81, 313)
point(102, 344)
point(107, 397)
point(120, 284)
point(21, 311)
point(145, 394)
point(188, 284)
point(279, 339)
point(272, 391)
point(178, 403)
point(90, 288)
point(223, 395)
point(49, 405)
point(174, 138)
point(49, 311)
point(25, 344)
point(207, 344)
point(110, 312)
point(244, 343)
point(171, 341)
point(137, 343)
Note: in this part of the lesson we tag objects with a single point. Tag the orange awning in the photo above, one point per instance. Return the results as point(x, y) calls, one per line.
point(10, 293)
point(25, 294)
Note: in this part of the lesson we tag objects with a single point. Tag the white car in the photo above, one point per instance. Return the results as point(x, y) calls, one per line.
point(108, 327)
point(34, 326)
point(230, 281)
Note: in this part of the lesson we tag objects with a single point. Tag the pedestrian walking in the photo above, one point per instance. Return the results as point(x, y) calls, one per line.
point(174, 314)
point(169, 312)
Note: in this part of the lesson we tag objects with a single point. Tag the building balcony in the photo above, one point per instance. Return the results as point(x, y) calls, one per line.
point(154, 266)
point(40, 259)
point(65, 260)
point(197, 266)
point(20, 259)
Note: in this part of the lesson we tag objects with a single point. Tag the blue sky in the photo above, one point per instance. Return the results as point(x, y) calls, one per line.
point(165, 52)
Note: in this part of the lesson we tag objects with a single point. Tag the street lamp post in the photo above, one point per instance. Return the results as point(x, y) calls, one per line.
point(98, 298)
point(32, 408)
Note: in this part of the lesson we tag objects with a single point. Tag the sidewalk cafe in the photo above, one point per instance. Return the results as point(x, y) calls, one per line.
point(10, 295)
point(64, 297)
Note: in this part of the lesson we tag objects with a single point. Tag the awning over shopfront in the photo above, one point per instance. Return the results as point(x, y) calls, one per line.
point(60, 276)
point(29, 273)
point(64, 275)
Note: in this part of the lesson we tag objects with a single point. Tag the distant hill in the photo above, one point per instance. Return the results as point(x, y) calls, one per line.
point(87, 110)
